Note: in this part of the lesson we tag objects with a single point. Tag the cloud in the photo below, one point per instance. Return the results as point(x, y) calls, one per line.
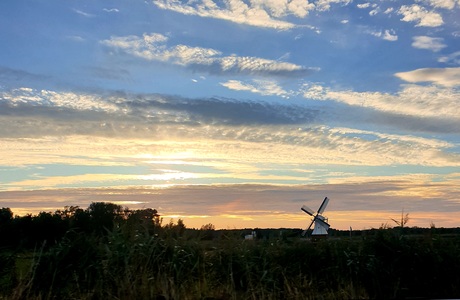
point(363, 5)
point(325, 5)
point(47, 98)
point(453, 58)
point(448, 77)
point(61, 127)
point(76, 38)
point(388, 10)
point(268, 14)
point(111, 10)
point(428, 43)
point(153, 47)
point(211, 130)
point(418, 14)
point(412, 100)
point(84, 14)
point(447, 4)
point(148, 110)
point(374, 11)
point(262, 87)
point(388, 35)
point(255, 13)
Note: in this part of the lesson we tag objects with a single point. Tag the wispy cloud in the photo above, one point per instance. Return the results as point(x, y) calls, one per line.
point(453, 58)
point(447, 4)
point(388, 35)
point(118, 139)
point(227, 124)
point(47, 98)
point(154, 47)
point(84, 14)
point(98, 112)
point(414, 100)
point(388, 10)
point(111, 10)
point(325, 5)
point(75, 38)
point(263, 87)
point(255, 13)
point(428, 43)
point(268, 14)
point(374, 11)
point(449, 77)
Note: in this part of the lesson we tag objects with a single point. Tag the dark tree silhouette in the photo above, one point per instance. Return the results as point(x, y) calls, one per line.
point(48, 227)
point(104, 216)
point(99, 219)
point(146, 219)
point(6, 215)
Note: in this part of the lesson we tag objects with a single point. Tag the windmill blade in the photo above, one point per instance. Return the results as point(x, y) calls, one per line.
point(308, 228)
point(308, 210)
point(323, 205)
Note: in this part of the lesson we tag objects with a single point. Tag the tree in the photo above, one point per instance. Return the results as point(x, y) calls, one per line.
point(207, 231)
point(6, 219)
point(104, 215)
point(6, 215)
point(208, 226)
point(48, 227)
point(146, 219)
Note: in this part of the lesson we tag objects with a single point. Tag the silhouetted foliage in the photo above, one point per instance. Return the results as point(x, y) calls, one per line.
point(6, 216)
point(99, 219)
point(207, 231)
point(111, 252)
point(104, 216)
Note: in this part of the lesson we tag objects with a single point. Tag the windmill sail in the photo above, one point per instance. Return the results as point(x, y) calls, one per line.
point(323, 205)
point(321, 225)
point(308, 210)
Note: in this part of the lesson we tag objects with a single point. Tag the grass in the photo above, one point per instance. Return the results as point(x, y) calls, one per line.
point(146, 266)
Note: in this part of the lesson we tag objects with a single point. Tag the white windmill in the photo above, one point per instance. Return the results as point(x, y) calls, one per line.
point(321, 225)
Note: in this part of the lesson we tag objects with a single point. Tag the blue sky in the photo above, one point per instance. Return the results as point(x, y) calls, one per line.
point(233, 112)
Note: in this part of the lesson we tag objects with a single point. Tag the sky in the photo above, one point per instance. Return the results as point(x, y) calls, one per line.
point(234, 112)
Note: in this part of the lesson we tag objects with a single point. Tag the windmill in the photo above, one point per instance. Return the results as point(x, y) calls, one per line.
point(321, 225)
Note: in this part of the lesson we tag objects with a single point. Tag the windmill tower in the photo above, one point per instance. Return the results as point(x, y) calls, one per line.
point(321, 225)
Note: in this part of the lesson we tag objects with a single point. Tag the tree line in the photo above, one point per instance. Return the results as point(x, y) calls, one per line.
point(98, 219)
point(101, 218)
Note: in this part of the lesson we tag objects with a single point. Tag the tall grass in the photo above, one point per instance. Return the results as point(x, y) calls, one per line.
point(140, 265)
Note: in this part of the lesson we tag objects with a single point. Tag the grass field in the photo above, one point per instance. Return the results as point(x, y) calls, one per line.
point(384, 264)
point(106, 252)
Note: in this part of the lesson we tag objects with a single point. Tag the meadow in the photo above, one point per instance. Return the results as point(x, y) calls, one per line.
point(110, 252)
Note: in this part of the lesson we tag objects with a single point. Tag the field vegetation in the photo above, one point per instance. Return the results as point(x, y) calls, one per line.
point(109, 252)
